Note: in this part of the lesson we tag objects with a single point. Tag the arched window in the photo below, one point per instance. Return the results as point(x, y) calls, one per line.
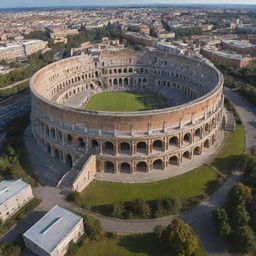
point(141, 167)
point(158, 164)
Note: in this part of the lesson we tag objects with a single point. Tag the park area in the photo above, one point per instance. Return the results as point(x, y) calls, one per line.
point(189, 188)
point(125, 101)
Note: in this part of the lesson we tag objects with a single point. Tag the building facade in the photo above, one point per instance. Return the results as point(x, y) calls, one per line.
point(54, 233)
point(14, 194)
point(128, 142)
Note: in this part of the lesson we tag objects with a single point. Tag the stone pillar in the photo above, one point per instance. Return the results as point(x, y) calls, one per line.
point(116, 148)
point(117, 171)
point(100, 147)
point(133, 167)
point(133, 146)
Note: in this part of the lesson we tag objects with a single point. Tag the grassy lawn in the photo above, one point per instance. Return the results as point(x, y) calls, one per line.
point(130, 245)
point(125, 101)
point(184, 186)
point(230, 154)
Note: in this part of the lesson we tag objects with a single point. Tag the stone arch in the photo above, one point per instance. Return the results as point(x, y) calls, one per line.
point(109, 167)
point(174, 141)
point(69, 139)
point(120, 81)
point(115, 81)
point(158, 145)
point(125, 167)
point(207, 128)
point(69, 160)
point(48, 148)
point(158, 164)
point(47, 131)
point(126, 81)
point(207, 143)
point(174, 160)
point(197, 151)
point(186, 154)
point(81, 143)
point(52, 133)
point(141, 167)
point(198, 132)
point(213, 139)
point(94, 144)
point(142, 147)
point(56, 154)
point(125, 148)
point(187, 137)
point(108, 147)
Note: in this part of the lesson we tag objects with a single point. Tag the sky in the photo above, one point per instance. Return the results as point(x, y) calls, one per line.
point(49, 3)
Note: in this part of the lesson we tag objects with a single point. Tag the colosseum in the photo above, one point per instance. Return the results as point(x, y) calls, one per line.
point(127, 142)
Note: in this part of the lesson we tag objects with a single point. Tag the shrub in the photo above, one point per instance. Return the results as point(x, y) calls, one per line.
point(172, 204)
point(244, 239)
point(140, 207)
point(240, 216)
point(93, 229)
point(222, 221)
point(9, 249)
point(238, 195)
point(73, 196)
point(118, 209)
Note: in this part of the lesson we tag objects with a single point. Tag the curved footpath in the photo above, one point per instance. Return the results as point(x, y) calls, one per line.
point(199, 218)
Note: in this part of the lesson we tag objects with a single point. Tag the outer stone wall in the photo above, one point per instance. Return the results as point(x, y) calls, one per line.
point(133, 141)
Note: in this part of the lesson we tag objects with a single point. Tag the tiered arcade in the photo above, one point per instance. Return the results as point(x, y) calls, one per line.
point(132, 141)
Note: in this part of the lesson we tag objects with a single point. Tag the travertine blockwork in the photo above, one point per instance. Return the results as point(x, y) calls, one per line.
point(132, 141)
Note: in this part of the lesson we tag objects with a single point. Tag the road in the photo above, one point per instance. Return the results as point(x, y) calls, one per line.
point(16, 108)
point(199, 218)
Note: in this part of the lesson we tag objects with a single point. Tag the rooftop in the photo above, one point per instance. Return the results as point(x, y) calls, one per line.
point(10, 188)
point(239, 44)
point(52, 228)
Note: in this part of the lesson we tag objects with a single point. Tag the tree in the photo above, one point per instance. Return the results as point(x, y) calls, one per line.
point(8, 249)
point(240, 216)
point(222, 222)
point(118, 209)
point(93, 229)
point(141, 208)
point(172, 204)
point(244, 239)
point(238, 195)
point(180, 239)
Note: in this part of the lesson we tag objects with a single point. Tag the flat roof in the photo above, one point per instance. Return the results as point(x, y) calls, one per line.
point(52, 228)
point(238, 43)
point(10, 188)
point(228, 55)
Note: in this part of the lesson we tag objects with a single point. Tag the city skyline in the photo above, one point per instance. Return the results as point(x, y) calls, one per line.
point(52, 3)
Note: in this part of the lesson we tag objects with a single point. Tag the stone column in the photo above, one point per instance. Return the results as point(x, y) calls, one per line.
point(117, 171)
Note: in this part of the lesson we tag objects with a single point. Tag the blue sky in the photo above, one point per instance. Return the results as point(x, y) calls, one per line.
point(42, 3)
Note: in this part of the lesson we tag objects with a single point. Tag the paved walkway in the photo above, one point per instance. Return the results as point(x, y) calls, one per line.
point(248, 116)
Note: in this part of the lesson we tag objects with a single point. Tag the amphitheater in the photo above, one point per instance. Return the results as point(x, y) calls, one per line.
point(146, 142)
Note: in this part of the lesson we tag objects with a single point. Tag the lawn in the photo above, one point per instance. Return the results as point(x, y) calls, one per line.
point(229, 156)
point(130, 245)
point(191, 184)
point(125, 101)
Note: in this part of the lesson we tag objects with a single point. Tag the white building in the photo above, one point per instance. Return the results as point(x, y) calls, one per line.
point(22, 49)
point(170, 48)
point(54, 233)
point(14, 194)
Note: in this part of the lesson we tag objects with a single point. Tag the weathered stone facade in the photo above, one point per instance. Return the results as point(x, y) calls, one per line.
point(132, 141)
